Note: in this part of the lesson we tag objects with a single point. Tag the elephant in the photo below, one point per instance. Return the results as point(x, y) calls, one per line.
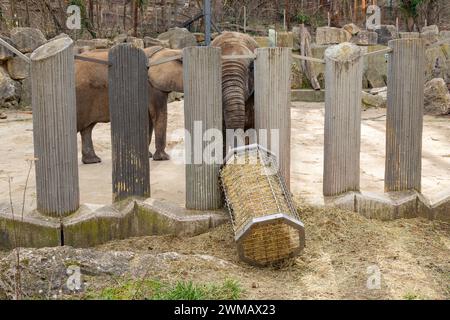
point(91, 80)
point(237, 80)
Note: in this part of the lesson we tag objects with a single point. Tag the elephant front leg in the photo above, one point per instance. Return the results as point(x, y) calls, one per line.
point(87, 147)
point(160, 124)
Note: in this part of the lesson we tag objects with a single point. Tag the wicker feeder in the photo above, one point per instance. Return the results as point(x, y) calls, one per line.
point(266, 224)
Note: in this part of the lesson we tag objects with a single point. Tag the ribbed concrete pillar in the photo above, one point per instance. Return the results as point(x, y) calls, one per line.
point(273, 104)
point(128, 106)
point(203, 112)
point(404, 120)
point(54, 128)
point(343, 83)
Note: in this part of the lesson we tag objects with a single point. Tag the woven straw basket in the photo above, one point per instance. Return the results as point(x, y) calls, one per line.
point(266, 224)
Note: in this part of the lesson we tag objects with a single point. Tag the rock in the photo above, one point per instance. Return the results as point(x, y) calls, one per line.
point(3, 116)
point(437, 97)
point(373, 100)
point(365, 38)
point(121, 38)
point(136, 42)
point(375, 68)
point(285, 39)
point(430, 34)
point(433, 29)
point(179, 38)
point(378, 90)
point(331, 35)
point(405, 35)
point(25, 97)
point(5, 54)
point(10, 90)
point(18, 69)
point(80, 50)
point(27, 39)
point(66, 272)
point(352, 28)
point(199, 37)
point(318, 51)
point(175, 96)
point(263, 42)
point(444, 34)
point(386, 33)
point(94, 43)
point(374, 78)
point(437, 63)
point(59, 36)
point(151, 42)
point(296, 76)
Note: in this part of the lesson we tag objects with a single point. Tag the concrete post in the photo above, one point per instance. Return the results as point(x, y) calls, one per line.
point(54, 128)
point(273, 104)
point(128, 105)
point(404, 119)
point(203, 112)
point(343, 82)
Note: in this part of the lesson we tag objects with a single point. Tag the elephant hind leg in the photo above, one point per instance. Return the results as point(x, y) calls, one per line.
point(158, 114)
point(87, 147)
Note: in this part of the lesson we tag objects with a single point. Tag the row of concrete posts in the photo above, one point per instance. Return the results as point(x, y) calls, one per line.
point(54, 119)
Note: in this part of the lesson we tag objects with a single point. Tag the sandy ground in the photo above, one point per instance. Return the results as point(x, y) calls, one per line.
point(167, 178)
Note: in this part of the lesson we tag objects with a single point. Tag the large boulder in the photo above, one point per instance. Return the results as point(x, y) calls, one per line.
point(25, 97)
point(27, 39)
point(352, 28)
point(18, 69)
point(331, 35)
point(370, 100)
point(437, 63)
point(365, 38)
point(285, 39)
point(437, 97)
point(430, 34)
point(136, 42)
point(375, 68)
point(264, 42)
point(318, 51)
point(178, 38)
point(386, 33)
point(121, 38)
point(444, 34)
point(94, 43)
point(151, 42)
point(5, 54)
point(10, 90)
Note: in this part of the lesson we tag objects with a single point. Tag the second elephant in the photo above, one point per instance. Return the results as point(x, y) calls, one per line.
point(93, 103)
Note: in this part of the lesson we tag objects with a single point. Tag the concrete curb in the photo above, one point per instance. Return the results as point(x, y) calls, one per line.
point(96, 224)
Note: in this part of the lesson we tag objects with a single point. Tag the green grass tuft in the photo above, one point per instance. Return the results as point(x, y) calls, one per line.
point(181, 290)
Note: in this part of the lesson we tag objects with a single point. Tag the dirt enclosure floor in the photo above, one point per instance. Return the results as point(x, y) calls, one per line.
point(343, 249)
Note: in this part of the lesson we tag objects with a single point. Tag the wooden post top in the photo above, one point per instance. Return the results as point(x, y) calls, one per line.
point(344, 52)
point(51, 48)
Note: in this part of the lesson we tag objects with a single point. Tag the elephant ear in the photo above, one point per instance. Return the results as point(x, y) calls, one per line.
point(166, 70)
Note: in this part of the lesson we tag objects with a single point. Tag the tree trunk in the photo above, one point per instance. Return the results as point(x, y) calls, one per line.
point(125, 15)
point(135, 17)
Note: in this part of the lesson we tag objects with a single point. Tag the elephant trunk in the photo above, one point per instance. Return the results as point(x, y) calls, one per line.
point(234, 90)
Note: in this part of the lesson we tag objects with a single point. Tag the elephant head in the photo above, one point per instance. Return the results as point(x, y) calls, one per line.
point(237, 76)
point(168, 76)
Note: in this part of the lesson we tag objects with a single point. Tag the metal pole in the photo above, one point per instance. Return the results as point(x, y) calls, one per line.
point(207, 14)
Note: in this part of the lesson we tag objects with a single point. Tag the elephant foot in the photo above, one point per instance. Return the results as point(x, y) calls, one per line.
point(160, 155)
point(90, 159)
point(150, 154)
